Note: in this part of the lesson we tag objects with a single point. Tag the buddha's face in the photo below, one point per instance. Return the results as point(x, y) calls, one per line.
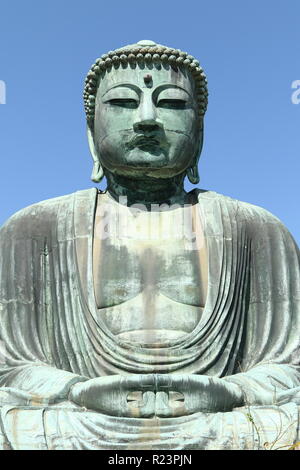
point(146, 122)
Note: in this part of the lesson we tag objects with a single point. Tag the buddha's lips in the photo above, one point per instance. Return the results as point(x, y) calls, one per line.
point(143, 141)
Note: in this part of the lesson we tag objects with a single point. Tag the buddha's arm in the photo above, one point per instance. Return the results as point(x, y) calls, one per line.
point(265, 383)
point(26, 362)
point(270, 357)
point(41, 380)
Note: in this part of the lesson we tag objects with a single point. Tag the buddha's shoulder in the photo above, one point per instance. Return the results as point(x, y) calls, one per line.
point(239, 209)
point(44, 214)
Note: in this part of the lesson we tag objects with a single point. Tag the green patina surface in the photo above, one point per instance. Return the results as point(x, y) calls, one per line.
point(143, 316)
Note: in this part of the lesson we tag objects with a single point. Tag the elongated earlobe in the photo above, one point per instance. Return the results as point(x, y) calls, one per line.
point(97, 173)
point(193, 174)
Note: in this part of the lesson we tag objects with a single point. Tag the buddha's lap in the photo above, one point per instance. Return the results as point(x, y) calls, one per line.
point(66, 426)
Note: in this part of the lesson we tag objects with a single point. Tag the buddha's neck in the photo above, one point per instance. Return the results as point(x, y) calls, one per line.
point(147, 191)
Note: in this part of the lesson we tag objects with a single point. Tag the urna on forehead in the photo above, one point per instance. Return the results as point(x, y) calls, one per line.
point(148, 57)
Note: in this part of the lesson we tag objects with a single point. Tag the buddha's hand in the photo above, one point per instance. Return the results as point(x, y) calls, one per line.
point(109, 395)
point(197, 393)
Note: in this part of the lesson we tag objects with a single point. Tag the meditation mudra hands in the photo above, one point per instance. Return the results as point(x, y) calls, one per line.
point(160, 395)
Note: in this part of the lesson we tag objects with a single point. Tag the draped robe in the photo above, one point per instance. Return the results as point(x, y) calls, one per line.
point(52, 335)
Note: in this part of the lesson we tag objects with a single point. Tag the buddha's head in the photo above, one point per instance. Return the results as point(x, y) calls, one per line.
point(145, 105)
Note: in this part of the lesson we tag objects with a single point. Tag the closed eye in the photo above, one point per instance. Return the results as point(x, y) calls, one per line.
point(124, 103)
point(172, 104)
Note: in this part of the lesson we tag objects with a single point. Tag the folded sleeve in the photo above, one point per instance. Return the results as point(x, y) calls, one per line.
point(27, 354)
point(270, 361)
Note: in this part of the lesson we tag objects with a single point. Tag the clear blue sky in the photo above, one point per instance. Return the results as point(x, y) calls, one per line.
point(250, 51)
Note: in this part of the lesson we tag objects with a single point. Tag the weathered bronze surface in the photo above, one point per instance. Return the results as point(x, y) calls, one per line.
point(143, 316)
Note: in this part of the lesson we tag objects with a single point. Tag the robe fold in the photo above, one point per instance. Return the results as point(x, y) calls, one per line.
point(52, 334)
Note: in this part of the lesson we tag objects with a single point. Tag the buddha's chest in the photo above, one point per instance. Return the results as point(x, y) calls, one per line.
point(156, 253)
point(149, 275)
point(125, 270)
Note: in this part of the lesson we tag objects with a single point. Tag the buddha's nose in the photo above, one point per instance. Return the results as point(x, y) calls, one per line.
point(146, 120)
point(147, 126)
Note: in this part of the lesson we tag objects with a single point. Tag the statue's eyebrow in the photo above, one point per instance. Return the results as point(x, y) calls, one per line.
point(165, 86)
point(124, 85)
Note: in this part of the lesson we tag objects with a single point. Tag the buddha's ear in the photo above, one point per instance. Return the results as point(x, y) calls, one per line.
point(97, 173)
point(192, 172)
